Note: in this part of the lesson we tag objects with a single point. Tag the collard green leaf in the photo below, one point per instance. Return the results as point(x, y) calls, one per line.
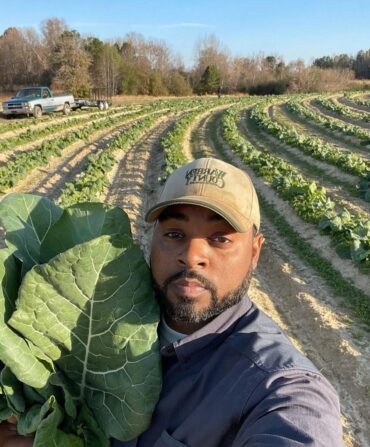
point(29, 421)
point(48, 431)
point(27, 219)
point(14, 350)
point(5, 411)
point(358, 252)
point(81, 223)
point(92, 311)
point(13, 390)
point(90, 430)
point(68, 390)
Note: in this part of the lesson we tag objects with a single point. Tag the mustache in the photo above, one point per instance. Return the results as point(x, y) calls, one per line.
point(189, 274)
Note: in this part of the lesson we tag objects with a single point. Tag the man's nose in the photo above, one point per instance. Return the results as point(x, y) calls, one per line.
point(194, 254)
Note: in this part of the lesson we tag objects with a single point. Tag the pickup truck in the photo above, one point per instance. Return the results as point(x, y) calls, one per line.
point(36, 101)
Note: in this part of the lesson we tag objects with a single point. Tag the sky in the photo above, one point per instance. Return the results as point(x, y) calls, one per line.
point(287, 28)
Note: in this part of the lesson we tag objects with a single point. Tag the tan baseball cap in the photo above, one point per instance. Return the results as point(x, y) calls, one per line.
point(214, 184)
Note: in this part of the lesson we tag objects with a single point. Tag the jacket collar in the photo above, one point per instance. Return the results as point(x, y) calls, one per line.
point(212, 334)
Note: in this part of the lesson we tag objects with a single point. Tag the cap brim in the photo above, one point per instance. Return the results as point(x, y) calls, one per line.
point(235, 219)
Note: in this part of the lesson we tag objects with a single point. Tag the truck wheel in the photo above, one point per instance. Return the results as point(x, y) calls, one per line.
point(66, 108)
point(37, 111)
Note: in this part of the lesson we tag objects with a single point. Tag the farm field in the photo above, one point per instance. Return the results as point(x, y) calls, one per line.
point(309, 158)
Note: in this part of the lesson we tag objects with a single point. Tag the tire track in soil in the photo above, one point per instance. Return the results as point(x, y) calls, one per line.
point(134, 180)
point(301, 303)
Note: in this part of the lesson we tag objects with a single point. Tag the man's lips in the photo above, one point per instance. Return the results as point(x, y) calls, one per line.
point(188, 287)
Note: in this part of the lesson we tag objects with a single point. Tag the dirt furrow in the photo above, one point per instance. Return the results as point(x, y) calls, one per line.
point(134, 180)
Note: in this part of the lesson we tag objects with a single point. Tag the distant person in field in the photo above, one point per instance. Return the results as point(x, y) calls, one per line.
point(231, 378)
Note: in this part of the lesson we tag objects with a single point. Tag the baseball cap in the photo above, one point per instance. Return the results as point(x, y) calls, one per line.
point(213, 184)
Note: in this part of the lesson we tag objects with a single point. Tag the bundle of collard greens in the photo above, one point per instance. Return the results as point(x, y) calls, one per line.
point(79, 356)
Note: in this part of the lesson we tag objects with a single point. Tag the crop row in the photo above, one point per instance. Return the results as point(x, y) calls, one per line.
point(295, 106)
point(350, 233)
point(357, 100)
point(94, 179)
point(18, 167)
point(341, 109)
point(172, 143)
point(31, 122)
point(31, 135)
point(315, 147)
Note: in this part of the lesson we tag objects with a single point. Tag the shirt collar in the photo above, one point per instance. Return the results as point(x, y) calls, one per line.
point(212, 333)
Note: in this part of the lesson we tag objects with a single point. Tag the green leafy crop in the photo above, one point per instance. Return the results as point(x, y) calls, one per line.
point(79, 356)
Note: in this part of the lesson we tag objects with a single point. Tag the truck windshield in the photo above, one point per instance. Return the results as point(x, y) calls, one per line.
point(29, 93)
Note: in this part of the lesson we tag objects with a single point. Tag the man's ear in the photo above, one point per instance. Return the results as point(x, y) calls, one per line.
point(256, 249)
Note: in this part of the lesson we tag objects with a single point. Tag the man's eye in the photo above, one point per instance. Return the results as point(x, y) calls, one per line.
point(221, 240)
point(173, 235)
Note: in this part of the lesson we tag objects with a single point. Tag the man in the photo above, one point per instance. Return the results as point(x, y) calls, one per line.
point(230, 377)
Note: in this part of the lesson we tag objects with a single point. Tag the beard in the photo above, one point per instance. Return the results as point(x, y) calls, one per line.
point(184, 310)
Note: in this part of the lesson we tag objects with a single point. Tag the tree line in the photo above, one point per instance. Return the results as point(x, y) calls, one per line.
point(61, 58)
point(359, 64)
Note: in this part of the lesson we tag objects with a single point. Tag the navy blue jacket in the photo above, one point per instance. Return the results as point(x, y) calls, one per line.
point(239, 382)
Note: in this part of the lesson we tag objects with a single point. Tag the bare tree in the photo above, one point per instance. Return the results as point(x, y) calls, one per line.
point(210, 51)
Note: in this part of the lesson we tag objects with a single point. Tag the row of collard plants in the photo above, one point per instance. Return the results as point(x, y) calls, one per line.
point(342, 109)
point(31, 135)
point(93, 180)
point(31, 122)
point(315, 147)
point(20, 165)
point(350, 233)
point(295, 106)
point(352, 96)
point(172, 143)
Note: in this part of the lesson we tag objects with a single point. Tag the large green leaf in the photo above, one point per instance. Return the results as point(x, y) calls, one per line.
point(81, 223)
point(91, 310)
point(14, 350)
point(27, 219)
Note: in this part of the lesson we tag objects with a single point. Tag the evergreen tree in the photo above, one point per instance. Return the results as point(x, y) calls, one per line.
point(210, 80)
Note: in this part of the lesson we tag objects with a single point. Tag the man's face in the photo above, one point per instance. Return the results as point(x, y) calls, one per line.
point(200, 265)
